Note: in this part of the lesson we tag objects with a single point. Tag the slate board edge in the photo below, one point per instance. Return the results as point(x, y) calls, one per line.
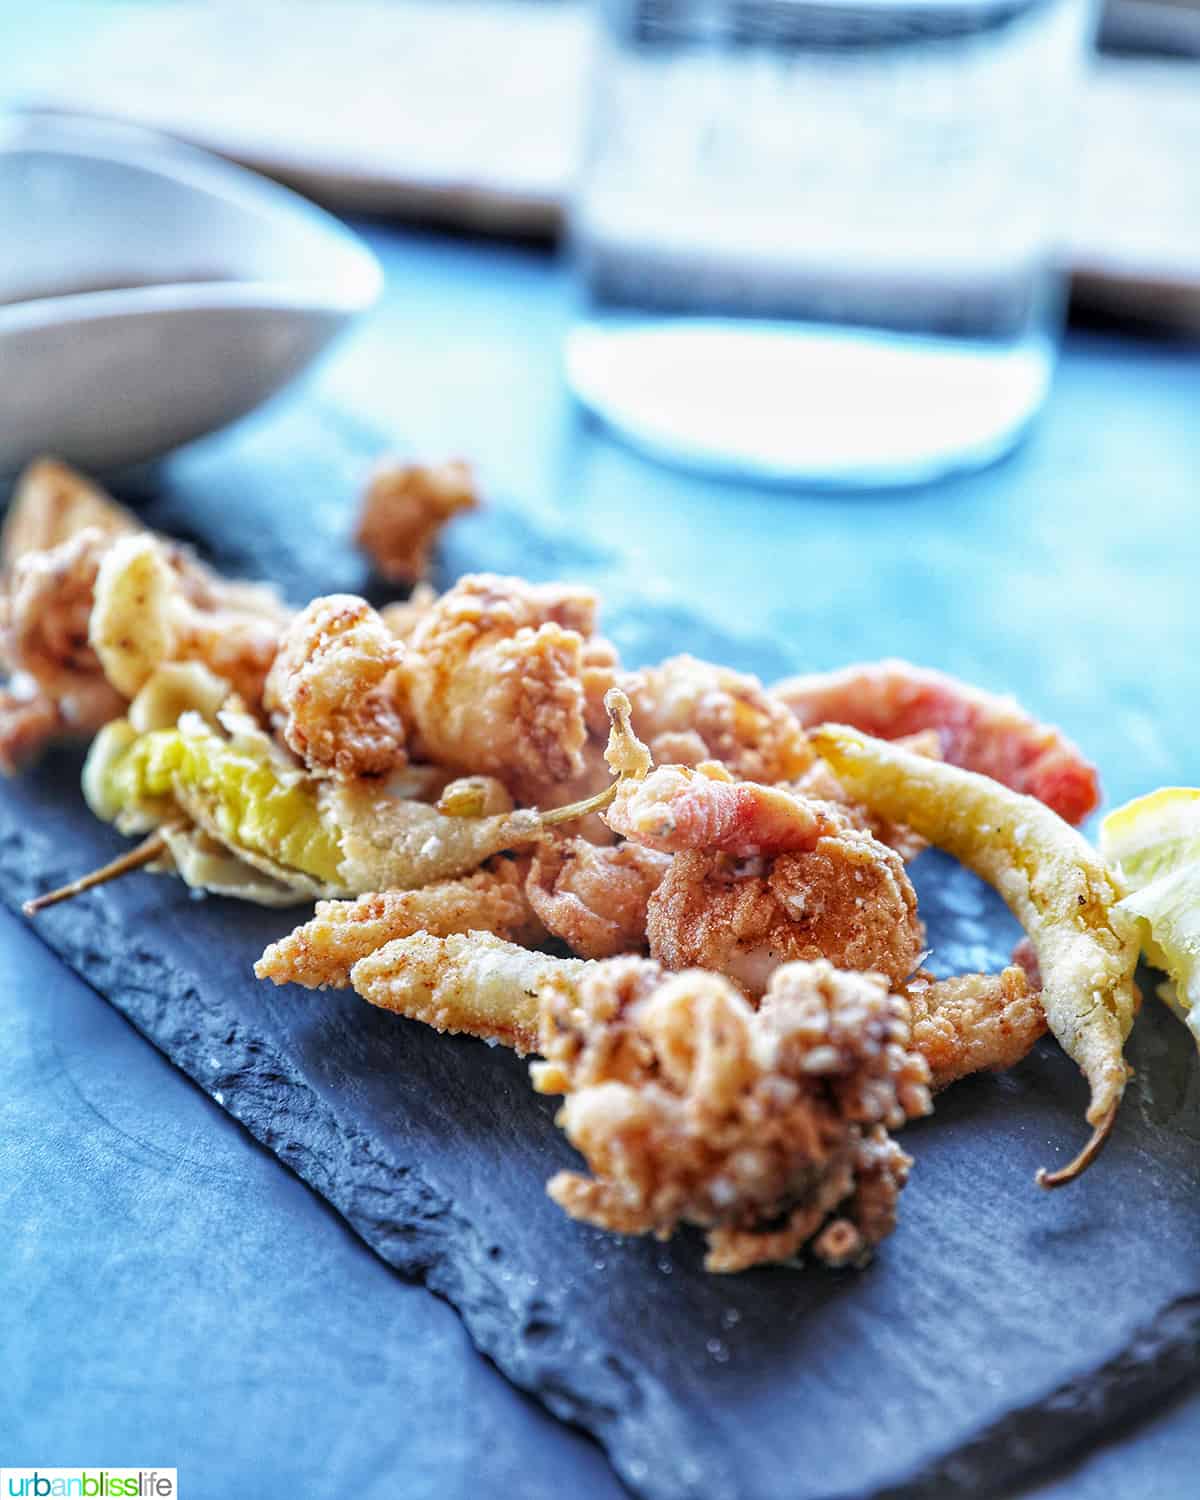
point(1157, 1362)
point(422, 1237)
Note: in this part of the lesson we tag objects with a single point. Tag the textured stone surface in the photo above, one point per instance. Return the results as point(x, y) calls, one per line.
point(172, 1295)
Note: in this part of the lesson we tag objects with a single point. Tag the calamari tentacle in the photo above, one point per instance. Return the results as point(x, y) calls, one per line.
point(469, 982)
point(320, 953)
point(974, 1023)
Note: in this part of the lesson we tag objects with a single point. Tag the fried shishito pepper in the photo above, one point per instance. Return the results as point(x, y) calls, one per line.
point(1051, 878)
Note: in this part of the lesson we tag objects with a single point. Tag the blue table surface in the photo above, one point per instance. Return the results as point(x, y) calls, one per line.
point(245, 1332)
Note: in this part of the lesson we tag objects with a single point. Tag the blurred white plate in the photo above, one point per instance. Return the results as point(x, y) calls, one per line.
point(150, 294)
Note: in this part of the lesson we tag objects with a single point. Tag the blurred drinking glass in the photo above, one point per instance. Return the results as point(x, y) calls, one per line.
point(816, 238)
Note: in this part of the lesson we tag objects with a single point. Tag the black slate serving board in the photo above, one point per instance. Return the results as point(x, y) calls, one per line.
point(999, 1328)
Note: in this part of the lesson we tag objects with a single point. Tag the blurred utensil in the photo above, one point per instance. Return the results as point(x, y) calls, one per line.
point(150, 294)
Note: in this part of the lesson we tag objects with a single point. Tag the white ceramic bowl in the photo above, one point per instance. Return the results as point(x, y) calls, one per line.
point(150, 293)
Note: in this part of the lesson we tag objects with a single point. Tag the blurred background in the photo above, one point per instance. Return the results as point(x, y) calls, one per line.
point(470, 111)
point(929, 174)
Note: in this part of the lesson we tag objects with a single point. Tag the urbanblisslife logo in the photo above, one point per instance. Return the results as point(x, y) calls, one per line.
point(90, 1484)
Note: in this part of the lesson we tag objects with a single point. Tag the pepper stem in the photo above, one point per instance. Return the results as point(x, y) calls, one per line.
point(148, 850)
point(580, 809)
point(626, 755)
point(1085, 1158)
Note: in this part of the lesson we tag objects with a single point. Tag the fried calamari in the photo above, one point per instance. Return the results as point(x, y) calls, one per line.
point(154, 604)
point(91, 604)
point(766, 1128)
point(690, 711)
point(677, 807)
point(321, 953)
point(594, 898)
point(401, 617)
point(404, 509)
point(847, 899)
point(52, 503)
point(496, 681)
point(978, 731)
point(335, 689)
point(29, 721)
point(57, 684)
point(470, 982)
point(974, 1023)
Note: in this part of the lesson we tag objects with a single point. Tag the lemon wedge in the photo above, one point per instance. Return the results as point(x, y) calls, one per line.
point(1155, 842)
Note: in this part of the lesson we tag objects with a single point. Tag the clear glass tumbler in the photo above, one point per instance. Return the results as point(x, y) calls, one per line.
point(815, 239)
